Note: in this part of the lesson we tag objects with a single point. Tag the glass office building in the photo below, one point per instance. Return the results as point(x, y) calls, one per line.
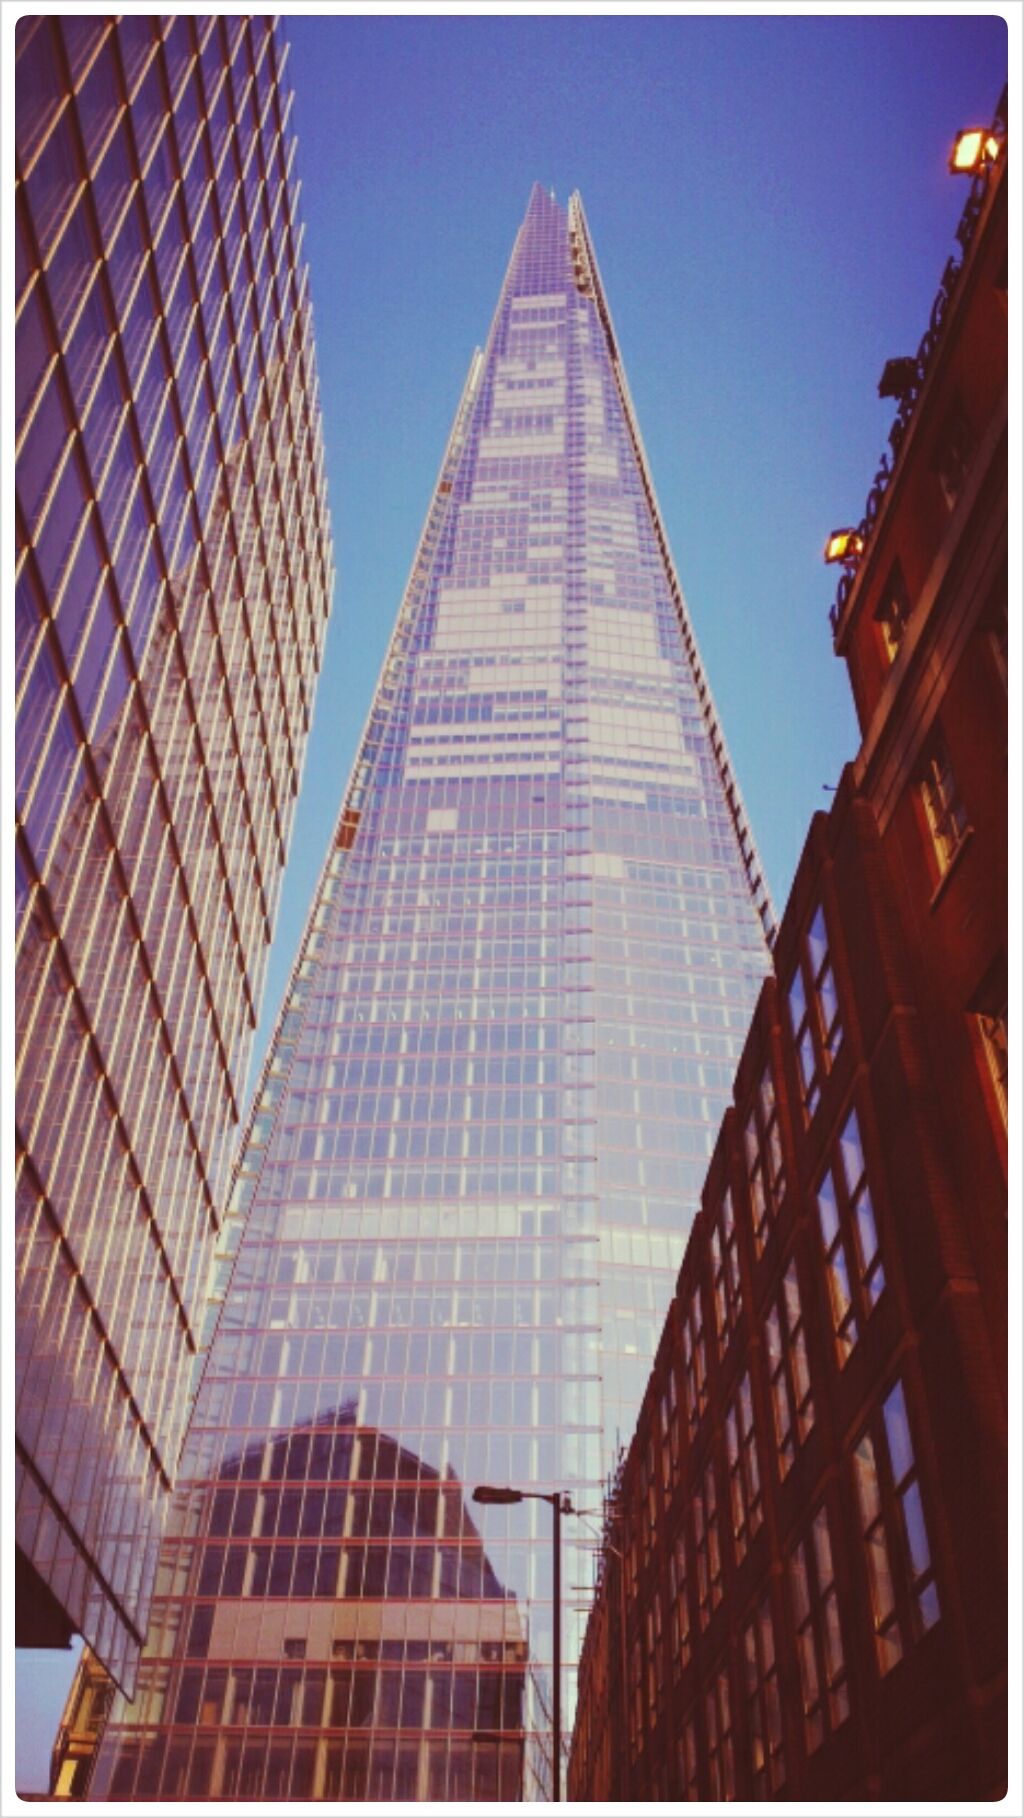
point(173, 582)
point(482, 1126)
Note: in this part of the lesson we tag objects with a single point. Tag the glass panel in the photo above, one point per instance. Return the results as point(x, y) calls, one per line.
point(458, 1134)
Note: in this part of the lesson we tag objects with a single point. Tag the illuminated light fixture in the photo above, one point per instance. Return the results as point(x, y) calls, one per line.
point(844, 546)
point(898, 377)
point(974, 150)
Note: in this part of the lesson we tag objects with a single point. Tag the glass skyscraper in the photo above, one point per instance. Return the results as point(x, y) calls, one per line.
point(172, 588)
point(483, 1123)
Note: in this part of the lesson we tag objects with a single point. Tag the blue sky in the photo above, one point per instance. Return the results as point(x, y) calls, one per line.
point(771, 211)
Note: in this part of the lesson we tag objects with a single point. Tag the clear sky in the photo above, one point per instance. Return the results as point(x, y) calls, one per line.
point(771, 212)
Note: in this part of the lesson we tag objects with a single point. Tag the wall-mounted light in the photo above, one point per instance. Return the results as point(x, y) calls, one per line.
point(845, 546)
point(974, 150)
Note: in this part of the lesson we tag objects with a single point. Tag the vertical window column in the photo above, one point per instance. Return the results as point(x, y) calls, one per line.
point(788, 1373)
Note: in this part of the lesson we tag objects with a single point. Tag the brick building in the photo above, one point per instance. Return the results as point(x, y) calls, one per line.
point(803, 1586)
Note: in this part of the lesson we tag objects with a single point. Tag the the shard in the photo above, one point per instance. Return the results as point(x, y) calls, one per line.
point(481, 1130)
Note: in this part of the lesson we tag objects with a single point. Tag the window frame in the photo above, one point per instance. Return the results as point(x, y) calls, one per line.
point(789, 1382)
point(763, 1701)
point(903, 1591)
point(944, 810)
point(894, 610)
point(847, 1225)
point(746, 1498)
point(765, 1160)
point(817, 1026)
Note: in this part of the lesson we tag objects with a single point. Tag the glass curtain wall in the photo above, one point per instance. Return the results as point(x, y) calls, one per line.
point(481, 1130)
point(173, 579)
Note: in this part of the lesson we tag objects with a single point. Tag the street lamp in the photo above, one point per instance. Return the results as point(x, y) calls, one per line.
point(561, 1505)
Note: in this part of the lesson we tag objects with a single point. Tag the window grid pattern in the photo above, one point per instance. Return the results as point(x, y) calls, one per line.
point(708, 1547)
point(849, 1235)
point(508, 1033)
point(668, 1416)
point(686, 1759)
point(766, 1172)
point(788, 1373)
point(173, 578)
point(993, 1027)
point(680, 1602)
point(819, 1640)
point(725, 1273)
point(745, 1499)
point(695, 1361)
point(893, 613)
point(814, 1012)
point(944, 809)
point(718, 1730)
point(764, 1705)
point(901, 1577)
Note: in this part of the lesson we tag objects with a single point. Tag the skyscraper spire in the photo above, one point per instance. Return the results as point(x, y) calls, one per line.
point(481, 1128)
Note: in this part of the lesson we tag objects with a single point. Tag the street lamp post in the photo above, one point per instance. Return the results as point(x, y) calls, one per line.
point(561, 1505)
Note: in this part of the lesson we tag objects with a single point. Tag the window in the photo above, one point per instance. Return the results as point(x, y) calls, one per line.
point(744, 1476)
point(686, 1753)
point(764, 1707)
point(649, 1500)
point(814, 1012)
point(853, 1261)
point(993, 1029)
point(694, 1361)
point(988, 1011)
point(709, 1556)
point(766, 1173)
point(819, 1640)
point(655, 1658)
point(636, 1698)
point(680, 1622)
point(669, 1416)
point(718, 1723)
point(954, 452)
point(726, 1273)
point(904, 1596)
point(789, 1377)
point(944, 810)
point(893, 611)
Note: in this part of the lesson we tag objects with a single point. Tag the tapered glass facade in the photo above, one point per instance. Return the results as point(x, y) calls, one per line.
point(482, 1125)
point(173, 582)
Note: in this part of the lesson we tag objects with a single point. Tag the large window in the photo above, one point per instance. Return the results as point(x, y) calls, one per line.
point(989, 1014)
point(725, 1266)
point(680, 1624)
point(944, 810)
point(819, 1639)
point(904, 1596)
point(718, 1725)
point(766, 1173)
point(788, 1374)
point(992, 1025)
point(853, 1260)
point(814, 1012)
point(694, 1361)
point(953, 453)
point(893, 611)
point(709, 1552)
point(744, 1476)
point(686, 1756)
point(668, 1409)
point(764, 1706)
